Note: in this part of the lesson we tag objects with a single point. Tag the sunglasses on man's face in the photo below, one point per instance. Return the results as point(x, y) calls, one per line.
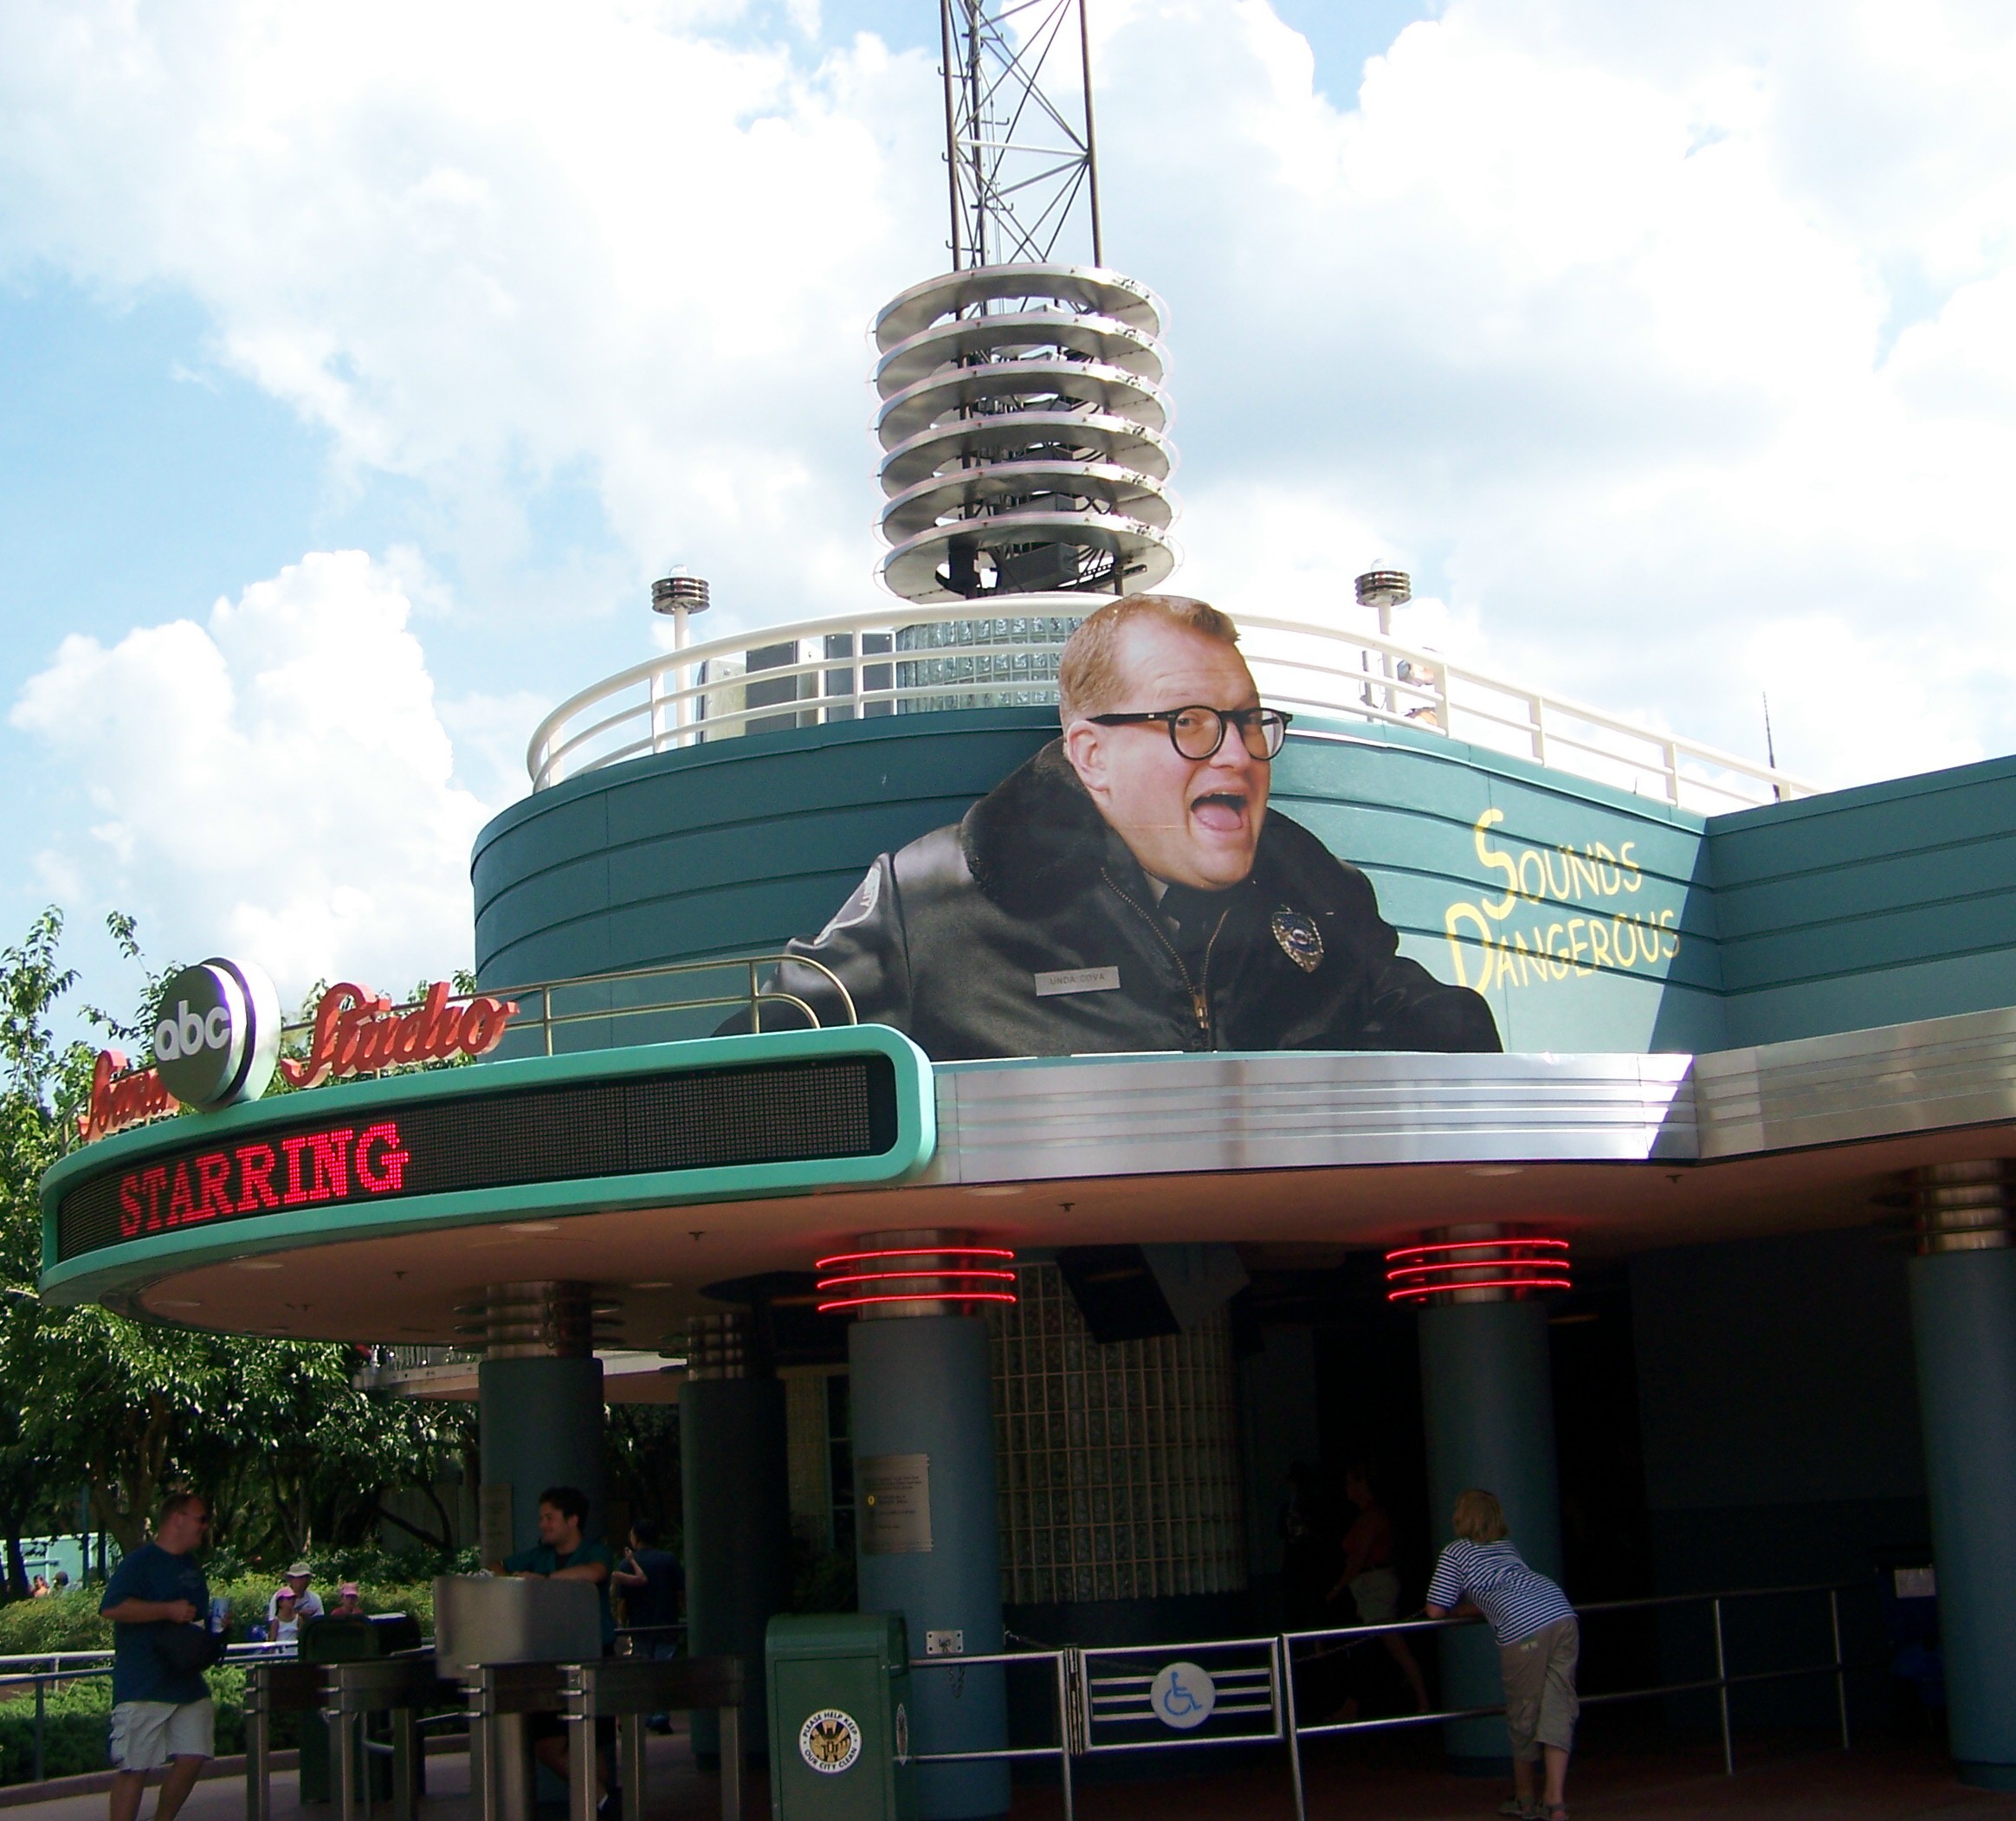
point(1197, 732)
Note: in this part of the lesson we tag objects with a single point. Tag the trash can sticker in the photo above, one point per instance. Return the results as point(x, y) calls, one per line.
point(903, 1733)
point(1183, 1695)
point(830, 1741)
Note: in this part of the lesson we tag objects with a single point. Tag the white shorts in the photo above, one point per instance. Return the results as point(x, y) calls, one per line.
point(146, 1735)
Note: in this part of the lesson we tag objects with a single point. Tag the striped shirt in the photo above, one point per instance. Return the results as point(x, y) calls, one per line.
point(1494, 1578)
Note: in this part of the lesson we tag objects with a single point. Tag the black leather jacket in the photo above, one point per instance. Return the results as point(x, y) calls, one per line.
point(1005, 934)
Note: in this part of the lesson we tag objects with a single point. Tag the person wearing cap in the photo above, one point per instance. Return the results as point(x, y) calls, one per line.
point(307, 1604)
point(349, 1602)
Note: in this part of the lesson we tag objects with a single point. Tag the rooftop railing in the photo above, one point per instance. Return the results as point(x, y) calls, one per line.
point(902, 658)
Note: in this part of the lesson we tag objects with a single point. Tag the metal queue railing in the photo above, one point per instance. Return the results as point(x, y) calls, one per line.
point(67, 1666)
point(1105, 1703)
point(1242, 1691)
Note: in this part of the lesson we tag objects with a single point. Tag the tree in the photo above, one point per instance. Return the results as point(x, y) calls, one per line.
point(273, 1432)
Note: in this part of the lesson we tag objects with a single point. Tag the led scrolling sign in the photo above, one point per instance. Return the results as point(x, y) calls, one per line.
point(466, 1134)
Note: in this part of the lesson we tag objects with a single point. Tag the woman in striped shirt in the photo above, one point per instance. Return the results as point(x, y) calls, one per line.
point(1538, 1642)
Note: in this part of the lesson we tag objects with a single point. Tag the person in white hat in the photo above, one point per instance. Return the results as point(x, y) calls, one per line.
point(307, 1604)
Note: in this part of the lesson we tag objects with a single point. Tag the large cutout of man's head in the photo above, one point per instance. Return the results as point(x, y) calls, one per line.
point(1193, 821)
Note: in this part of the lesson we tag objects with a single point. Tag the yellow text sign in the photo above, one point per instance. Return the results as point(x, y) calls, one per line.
point(1601, 921)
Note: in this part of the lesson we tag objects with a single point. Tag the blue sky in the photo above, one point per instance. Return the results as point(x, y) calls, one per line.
point(1669, 349)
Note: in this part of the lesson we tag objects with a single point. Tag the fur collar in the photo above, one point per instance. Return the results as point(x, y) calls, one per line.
point(1036, 840)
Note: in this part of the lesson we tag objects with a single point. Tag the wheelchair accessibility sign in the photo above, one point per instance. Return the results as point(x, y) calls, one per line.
point(1183, 1695)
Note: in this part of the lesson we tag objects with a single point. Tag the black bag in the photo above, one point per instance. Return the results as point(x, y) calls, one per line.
point(184, 1649)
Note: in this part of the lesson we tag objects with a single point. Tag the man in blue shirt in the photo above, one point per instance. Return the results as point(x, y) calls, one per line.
point(161, 1716)
point(561, 1554)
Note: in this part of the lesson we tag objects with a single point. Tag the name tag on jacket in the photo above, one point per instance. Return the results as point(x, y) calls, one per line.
point(1078, 980)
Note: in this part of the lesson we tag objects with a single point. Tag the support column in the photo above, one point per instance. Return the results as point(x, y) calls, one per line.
point(735, 1485)
point(1963, 1317)
point(539, 1401)
point(927, 1508)
point(1487, 1394)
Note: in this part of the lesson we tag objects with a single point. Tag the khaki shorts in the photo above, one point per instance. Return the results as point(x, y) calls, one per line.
point(1377, 1592)
point(1540, 1689)
point(146, 1735)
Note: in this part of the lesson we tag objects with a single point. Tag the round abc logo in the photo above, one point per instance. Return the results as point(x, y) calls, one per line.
point(216, 1036)
point(830, 1741)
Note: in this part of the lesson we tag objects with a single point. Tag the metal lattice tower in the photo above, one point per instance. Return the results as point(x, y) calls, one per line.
point(1022, 161)
point(1024, 421)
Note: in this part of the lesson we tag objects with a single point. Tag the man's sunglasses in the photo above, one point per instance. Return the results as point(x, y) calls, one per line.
point(1197, 732)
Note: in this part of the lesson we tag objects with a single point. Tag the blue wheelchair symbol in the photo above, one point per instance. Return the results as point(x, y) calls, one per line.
point(1182, 1696)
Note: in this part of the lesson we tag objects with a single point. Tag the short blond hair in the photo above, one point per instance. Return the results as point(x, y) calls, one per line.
point(1479, 1517)
point(1088, 676)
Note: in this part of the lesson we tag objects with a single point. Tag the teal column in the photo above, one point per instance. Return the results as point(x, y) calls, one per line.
point(735, 1489)
point(1963, 1315)
point(1487, 1392)
point(929, 1546)
point(538, 1402)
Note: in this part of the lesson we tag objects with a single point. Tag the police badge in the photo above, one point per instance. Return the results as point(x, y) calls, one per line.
point(1300, 939)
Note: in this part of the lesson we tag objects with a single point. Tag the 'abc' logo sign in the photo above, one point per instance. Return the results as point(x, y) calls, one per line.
point(216, 1036)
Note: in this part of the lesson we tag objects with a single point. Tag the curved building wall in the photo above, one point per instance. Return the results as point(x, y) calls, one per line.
point(1581, 912)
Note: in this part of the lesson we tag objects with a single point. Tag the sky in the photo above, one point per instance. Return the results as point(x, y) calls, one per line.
point(360, 366)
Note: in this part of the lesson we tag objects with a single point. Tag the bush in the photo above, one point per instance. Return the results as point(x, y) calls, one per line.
point(77, 1727)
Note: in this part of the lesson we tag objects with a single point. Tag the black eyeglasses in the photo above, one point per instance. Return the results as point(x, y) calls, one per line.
point(1197, 732)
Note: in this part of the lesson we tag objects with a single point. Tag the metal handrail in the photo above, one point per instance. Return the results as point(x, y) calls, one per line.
point(1721, 1681)
point(755, 997)
point(662, 703)
point(99, 1664)
point(1073, 1703)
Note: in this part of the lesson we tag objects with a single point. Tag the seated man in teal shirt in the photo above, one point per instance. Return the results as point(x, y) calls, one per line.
point(561, 1554)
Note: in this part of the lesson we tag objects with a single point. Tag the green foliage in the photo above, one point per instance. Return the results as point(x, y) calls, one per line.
point(273, 1432)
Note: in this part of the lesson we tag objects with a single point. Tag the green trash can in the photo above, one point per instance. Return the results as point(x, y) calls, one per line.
point(350, 1639)
point(840, 1717)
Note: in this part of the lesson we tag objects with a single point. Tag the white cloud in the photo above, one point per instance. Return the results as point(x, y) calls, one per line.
point(275, 783)
point(1670, 344)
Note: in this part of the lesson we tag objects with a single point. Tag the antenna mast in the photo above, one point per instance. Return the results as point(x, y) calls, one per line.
point(1020, 152)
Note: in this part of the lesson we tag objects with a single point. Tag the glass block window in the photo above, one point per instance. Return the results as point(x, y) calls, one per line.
point(1120, 1464)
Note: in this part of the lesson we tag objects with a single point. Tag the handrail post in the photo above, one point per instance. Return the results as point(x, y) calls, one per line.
point(1292, 1726)
point(1721, 1690)
point(656, 697)
point(1840, 1668)
point(41, 1707)
point(1671, 753)
point(1062, 1666)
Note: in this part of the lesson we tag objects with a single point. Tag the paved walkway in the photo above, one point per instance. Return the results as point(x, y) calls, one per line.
point(1790, 1781)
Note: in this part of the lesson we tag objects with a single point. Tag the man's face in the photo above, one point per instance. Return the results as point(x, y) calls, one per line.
point(1192, 822)
point(297, 1582)
point(556, 1529)
point(184, 1530)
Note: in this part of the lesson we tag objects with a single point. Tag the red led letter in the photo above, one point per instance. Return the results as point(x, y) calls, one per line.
point(295, 1193)
point(331, 1179)
point(154, 1186)
point(256, 1163)
point(213, 1178)
point(385, 1172)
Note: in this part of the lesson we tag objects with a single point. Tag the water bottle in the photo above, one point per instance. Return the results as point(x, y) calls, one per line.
point(220, 1614)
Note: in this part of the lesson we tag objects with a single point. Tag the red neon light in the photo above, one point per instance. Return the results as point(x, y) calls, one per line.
point(1479, 1283)
point(1470, 1245)
point(857, 1303)
point(820, 1265)
point(834, 1284)
point(1546, 1263)
point(318, 1166)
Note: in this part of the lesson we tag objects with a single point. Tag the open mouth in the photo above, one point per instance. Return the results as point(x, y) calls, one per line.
point(1224, 811)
